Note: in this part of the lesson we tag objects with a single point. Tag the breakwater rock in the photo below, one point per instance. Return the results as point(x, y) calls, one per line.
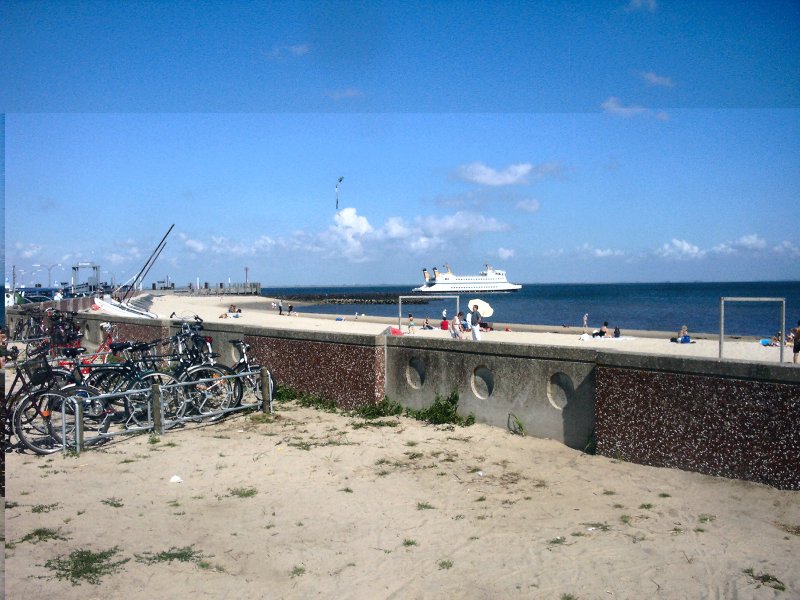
point(364, 298)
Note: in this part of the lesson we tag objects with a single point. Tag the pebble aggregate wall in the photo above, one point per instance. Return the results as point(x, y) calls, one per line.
point(735, 428)
point(346, 369)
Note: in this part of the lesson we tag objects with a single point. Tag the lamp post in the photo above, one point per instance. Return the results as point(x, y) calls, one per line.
point(49, 272)
point(341, 179)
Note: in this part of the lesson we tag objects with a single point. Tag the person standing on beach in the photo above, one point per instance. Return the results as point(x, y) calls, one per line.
point(796, 346)
point(455, 326)
point(474, 322)
point(410, 323)
point(280, 307)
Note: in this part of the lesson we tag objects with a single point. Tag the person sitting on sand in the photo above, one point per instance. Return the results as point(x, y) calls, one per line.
point(603, 331)
point(683, 336)
point(426, 324)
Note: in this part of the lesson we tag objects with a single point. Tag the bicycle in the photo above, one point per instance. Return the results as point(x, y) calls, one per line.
point(251, 375)
point(36, 402)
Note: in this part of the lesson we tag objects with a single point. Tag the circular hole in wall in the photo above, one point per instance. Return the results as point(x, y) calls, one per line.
point(415, 373)
point(482, 382)
point(560, 390)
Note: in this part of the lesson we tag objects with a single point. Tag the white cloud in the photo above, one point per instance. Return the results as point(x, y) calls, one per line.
point(347, 232)
point(193, 245)
point(504, 253)
point(746, 243)
point(648, 5)
point(221, 245)
point(555, 253)
point(27, 250)
point(614, 107)
point(351, 237)
point(530, 205)
point(788, 248)
point(589, 250)
point(516, 174)
point(751, 242)
point(348, 221)
point(281, 53)
point(657, 80)
point(344, 94)
point(680, 250)
point(116, 259)
point(299, 49)
point(395, 228)
point(479, 173)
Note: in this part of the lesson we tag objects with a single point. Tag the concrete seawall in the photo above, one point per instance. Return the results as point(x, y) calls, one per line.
point(731, 419)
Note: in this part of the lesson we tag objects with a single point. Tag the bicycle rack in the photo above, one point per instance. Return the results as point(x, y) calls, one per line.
point(156, 421)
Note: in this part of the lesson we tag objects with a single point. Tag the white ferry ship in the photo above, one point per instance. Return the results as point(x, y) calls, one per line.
point(489, 280)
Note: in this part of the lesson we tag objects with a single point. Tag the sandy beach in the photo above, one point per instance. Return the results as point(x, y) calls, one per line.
point(307, 503)
point(259, 311)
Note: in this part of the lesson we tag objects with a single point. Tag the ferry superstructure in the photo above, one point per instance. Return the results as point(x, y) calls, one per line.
point(489, 280)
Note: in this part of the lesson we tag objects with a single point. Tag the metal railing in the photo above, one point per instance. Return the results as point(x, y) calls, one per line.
point(722, 302)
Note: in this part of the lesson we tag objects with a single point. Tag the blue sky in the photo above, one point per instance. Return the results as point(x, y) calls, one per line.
point(564, 141)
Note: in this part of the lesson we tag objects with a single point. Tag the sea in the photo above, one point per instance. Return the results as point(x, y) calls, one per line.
point(643, 306)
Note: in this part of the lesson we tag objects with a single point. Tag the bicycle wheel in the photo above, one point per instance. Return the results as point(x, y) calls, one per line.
point(172, 397)
point(211, 393)
point(32, 421)
point(252, 383)
point(96, 415)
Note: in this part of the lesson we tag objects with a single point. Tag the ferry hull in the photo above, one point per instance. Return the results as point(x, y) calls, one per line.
point(458, 289)
point(490, 280)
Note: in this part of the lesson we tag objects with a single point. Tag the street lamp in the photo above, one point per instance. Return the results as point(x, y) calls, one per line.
point(49, 272)
point(340, 180)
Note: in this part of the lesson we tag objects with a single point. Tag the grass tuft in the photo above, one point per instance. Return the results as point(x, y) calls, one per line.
point(298, 571)
point(766, 579)
point(384, 408)
point(243, 492)
point(44, 508)
point(186, 554)
point(706, 518)
point(85, 565)
point(40, 534)
point(442, 411)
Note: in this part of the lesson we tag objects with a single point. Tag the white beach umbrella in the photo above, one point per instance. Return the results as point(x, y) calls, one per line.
point(483, 307)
